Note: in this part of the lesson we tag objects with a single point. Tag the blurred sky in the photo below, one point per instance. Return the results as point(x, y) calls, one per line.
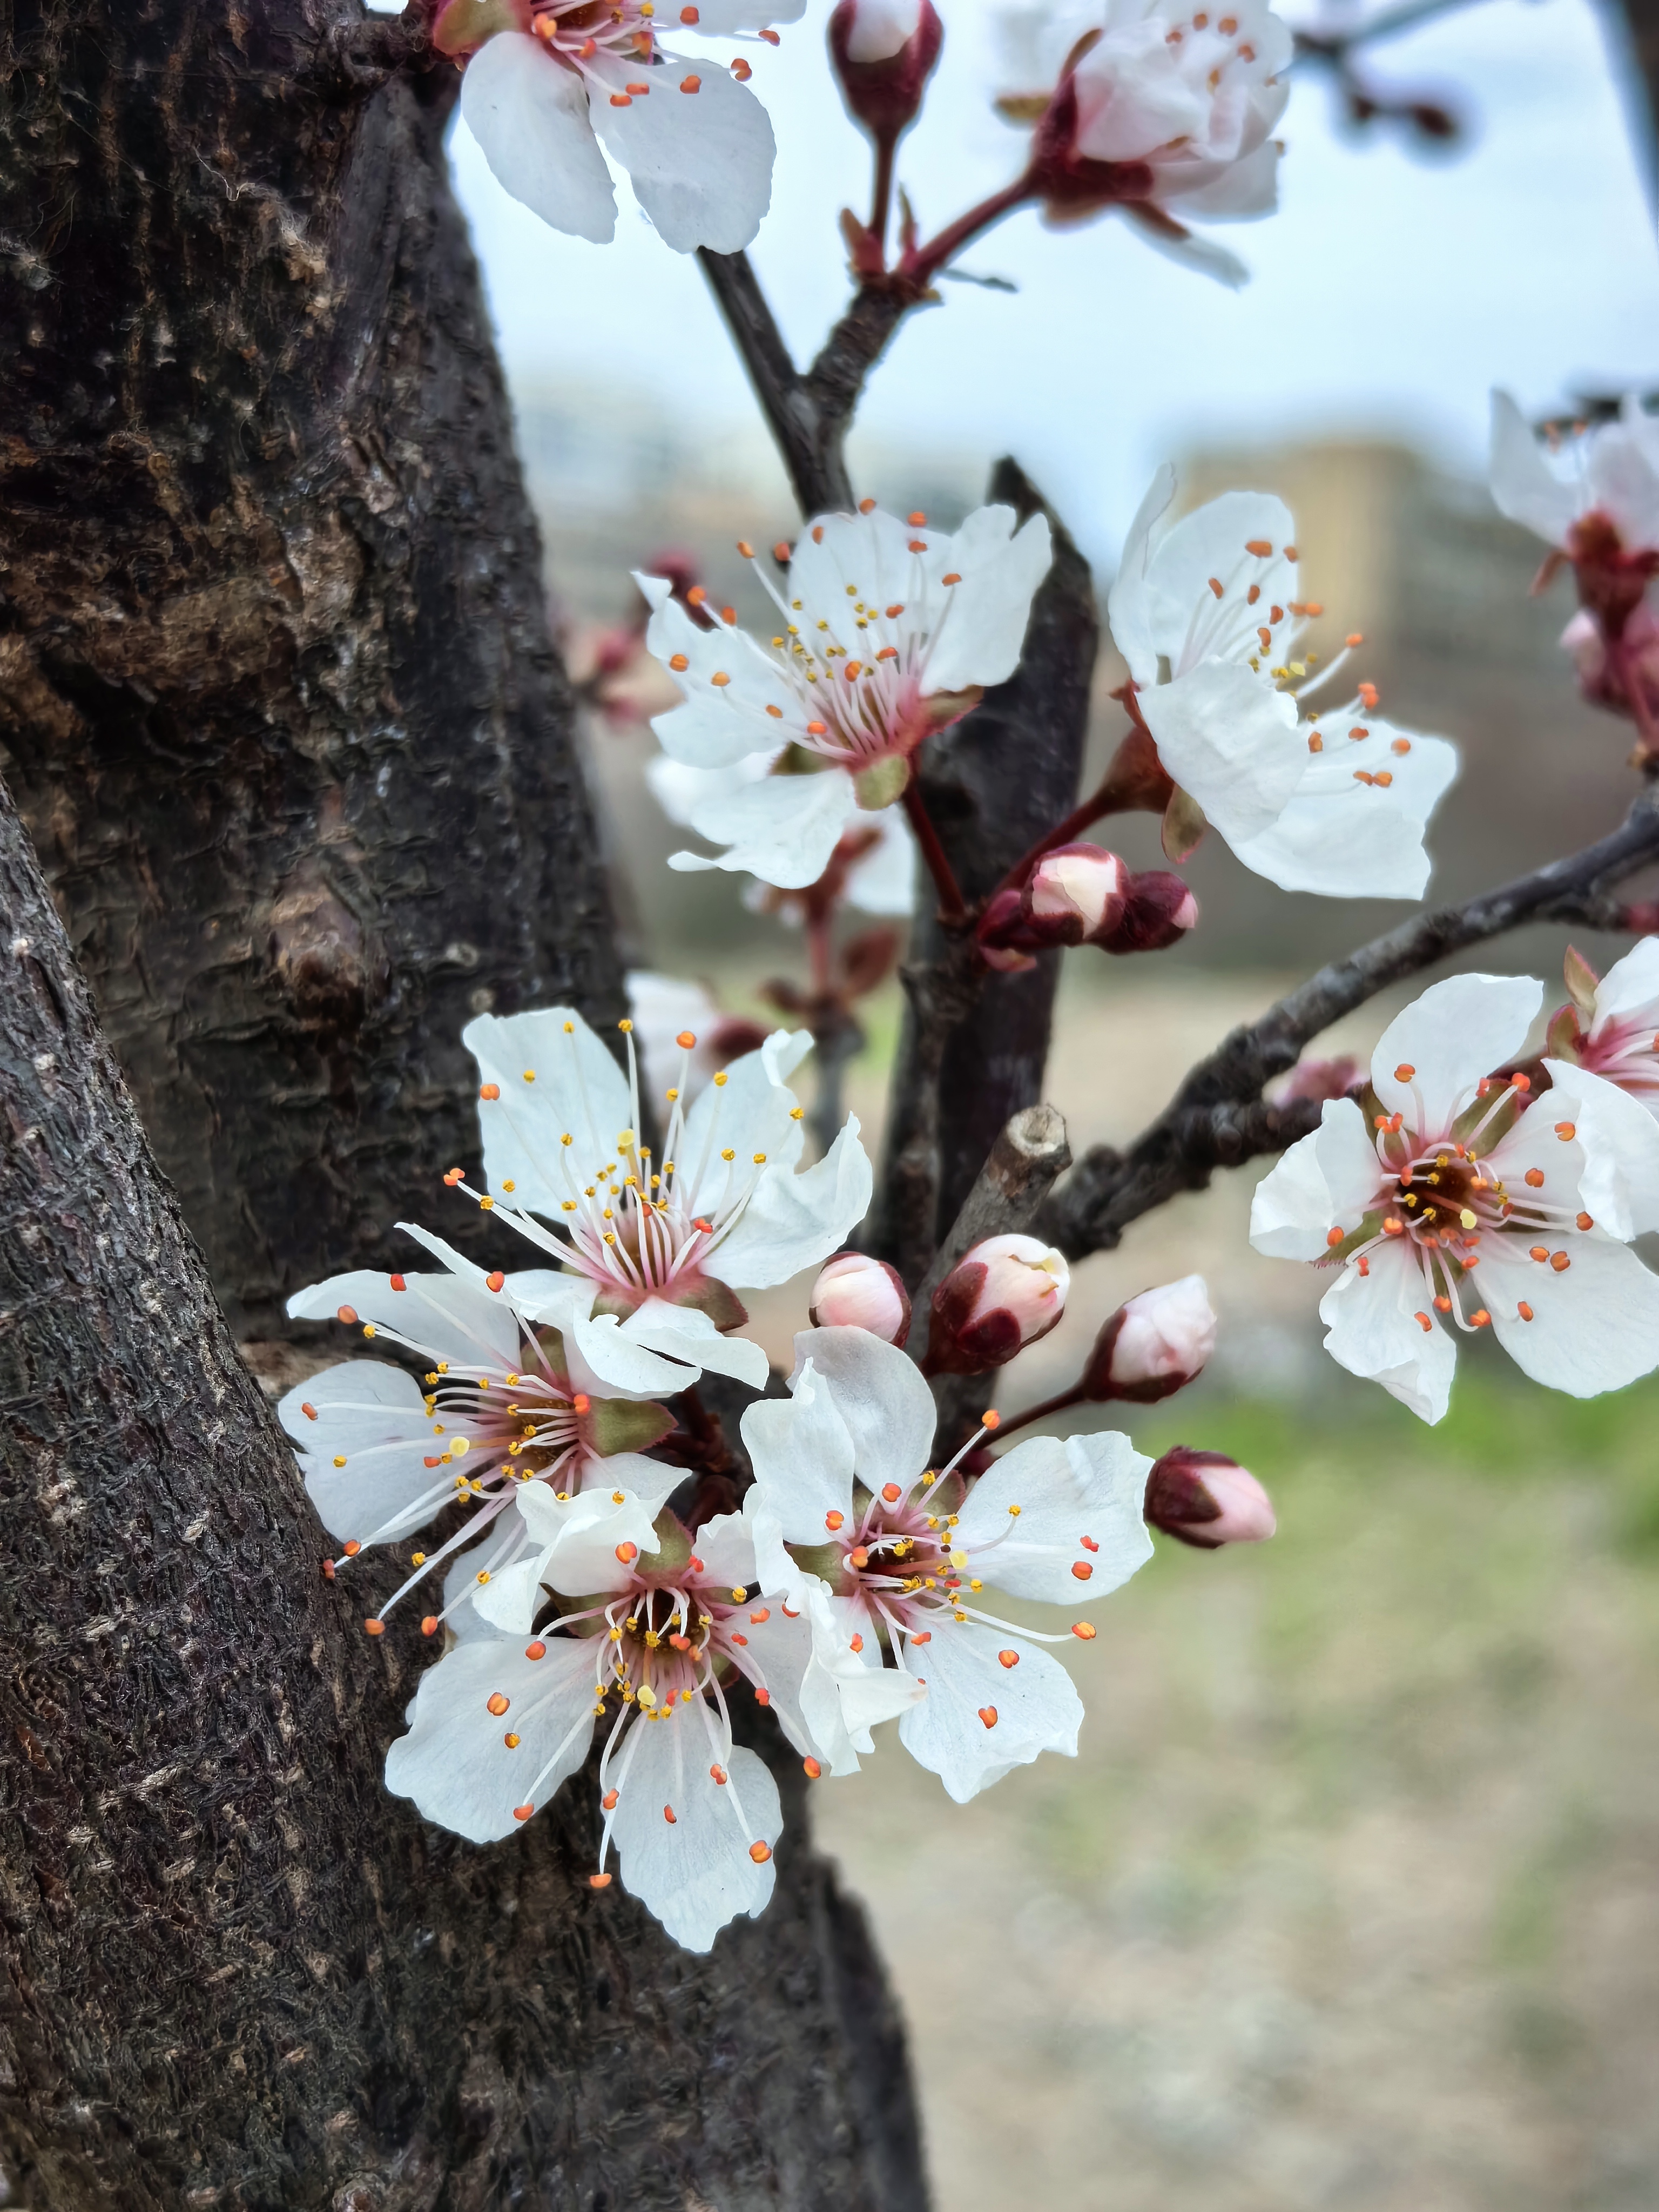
point(1389, 292)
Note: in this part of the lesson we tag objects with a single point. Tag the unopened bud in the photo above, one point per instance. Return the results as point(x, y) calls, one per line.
point(855, 1292)
point(1206, 1499)
point(1003, 1294)
point(1072, 894)
point(1158, 910)
point(1319, 1080)
point(1153, 1346)
point(884, 52)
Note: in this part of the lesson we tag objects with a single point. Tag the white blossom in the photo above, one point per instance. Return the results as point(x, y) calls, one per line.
point(1610, 470)
point(495, 1413)
point(1622, 1041)
point(885, 632)
point(1208, 614)
point(1468, 1203)
point(655, 1254)
point(546, 102)
point(899, 1553)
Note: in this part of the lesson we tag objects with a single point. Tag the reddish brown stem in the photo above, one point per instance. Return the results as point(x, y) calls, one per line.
point(881, 198)
point(1056, 1405)
point(1135, 782)
point(924, 264)
point(953, 907)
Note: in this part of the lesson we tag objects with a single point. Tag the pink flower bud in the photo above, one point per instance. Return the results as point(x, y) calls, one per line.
point(1153, 1346)
point(1206, 1499)
point(1157, 910)
point(1319, 1080)
point(1071, 894)
point(884, 52)
point(1003, 1294)
point(855, 1292)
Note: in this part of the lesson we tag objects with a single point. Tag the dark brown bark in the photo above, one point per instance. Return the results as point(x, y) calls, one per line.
point(974, 1045)
point(278, 697)
point(276, 686)
point(236, 1973)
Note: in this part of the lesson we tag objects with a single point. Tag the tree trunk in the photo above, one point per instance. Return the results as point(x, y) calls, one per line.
point(278, 697)
point(276, 684)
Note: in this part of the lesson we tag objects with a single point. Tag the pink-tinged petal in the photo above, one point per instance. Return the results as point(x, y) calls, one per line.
point(700, 163)
point(1064, 1489)
point(1523, 484)
point(1594, 1323)
point(887, 1408)
point(1034, 1705)
point(782, 830)
point(693, 1873)
point(1373, 1330)
point(1631, 987)
point(1189, 250)
point(529, 115)
point(1244, 190)
point(1328, 1181)
point(1458, 1031)
point(1231, 740)
point(1130, 605)
point(455, 1762)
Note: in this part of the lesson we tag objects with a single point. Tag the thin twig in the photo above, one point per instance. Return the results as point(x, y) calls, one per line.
point(1218, 1118)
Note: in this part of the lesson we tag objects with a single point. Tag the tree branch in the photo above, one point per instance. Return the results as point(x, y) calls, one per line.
point(1218, 1118)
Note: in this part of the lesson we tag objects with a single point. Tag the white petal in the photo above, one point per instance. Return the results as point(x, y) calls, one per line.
point(1345, 839)
point(1129, 602)
point(879, 1394)
point(1230, 738)
point(723, 19)
point(687, 1334)
point(884, 881)
point(1595, 1326)
point(728, 683)
point(793, 1221)
point(1457, 1032)
point(555, 1076)
point(1619, 1138)
point(1372, 1330)
point(700, 163)
point(450, 1316)
point(802, 1451)
point(1191, 251)
point(868, 556)
point(454, 1762)
point(374, 1416)
point(782, 830)
point(680, 790)
point(529, 115)
point(1036, 1707)
point(1213, 541)
point(1631, 985)
point(1065, 1489)
point(1329, 1180)
point(753, 1110)
point(1244, 190)
point(695, 1872)
point(726, 1545)
point(1523, 484)
point(983, 628)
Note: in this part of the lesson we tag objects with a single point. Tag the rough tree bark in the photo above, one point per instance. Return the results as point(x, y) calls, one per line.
point(276, 694)
point(974, 1047)
point(237, 1972)
point(275, 684)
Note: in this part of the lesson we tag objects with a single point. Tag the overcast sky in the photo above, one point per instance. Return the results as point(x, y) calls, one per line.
point(1388, 292)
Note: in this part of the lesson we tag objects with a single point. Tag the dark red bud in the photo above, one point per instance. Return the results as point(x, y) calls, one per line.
point(1206, 1499)
point(883, 89)
point(1158, 911)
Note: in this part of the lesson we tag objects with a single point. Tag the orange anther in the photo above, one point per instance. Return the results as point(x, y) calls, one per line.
point(854, 668)
point(716, 1774)
point(599, 1881)
point(429, 1624)
point(1524, 1311)
point(728, 615)
point(1480, 1318)
point(374, 1628)
point(353, 1548)
point(719, 679)
point(1267, 637)
point(811, 1769)
point(397, 1282)
point(347, 1314)
point(1424, 1323)
point(1585, 1221)
point(328, 1571)
point(608, 1801)
point(1539, 1252)
point(1369, 696)
point(524, 1811)
point(1401, 745)
point(1082, 1570)
point(637, 89)
point(511, 1741)
point(695, 1564)
point(759, 1853)
point(580, 1402)
point(989, 1715)
point(858, 1557)
point(1334, 1238)
point(762, 1697)
point(833, 1521)
point(894, 610)
point(991, 1420)
point(818, 534)
point(1534, 1178)
point(818, 729)
point(1560, 1262)
point(855, 1643)
point(866, 507)
point(495, 1279)
point(741, 70)
point(1315, 742)
point(1566, 1131)
point(1443, 1305)
point(1521, 1083)
point(891, 1492)
point(678, 663)
point(1008, 1658)
point(1085, 1630)
point(668, 1815)
point(309, 1410)
point(1088, 1543)
point(628, 1553)
point(1393, 1226)
point(782, 550)
point(687, 84)
point(688, 15)
point(620, 99)
point(1259, 546)
point(755, 1618)
point(498, 1703)
point(1404, 1073)
point(746, 549)
point(1383, 778)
